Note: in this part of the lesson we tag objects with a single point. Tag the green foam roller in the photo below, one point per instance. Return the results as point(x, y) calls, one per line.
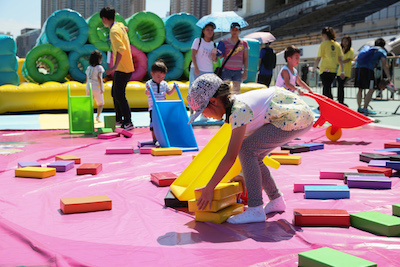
point(172, 58)
point(186, 62)
point(181, 30)
point(376, 222)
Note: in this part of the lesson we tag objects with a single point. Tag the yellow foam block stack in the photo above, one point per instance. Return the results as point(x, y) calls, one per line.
point(287, 160)
point(35, 172)
point(223, 205)
point(166, 151)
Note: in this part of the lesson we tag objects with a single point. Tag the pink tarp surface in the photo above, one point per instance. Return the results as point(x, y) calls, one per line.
point(140, 231)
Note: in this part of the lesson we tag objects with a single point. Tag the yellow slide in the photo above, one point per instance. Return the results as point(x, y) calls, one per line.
point(202, 168)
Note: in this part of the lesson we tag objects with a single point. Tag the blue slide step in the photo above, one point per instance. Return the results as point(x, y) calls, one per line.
point(326, 191)
point(170, 124)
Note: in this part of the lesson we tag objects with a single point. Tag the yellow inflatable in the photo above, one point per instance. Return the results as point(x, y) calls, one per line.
point(53, 95)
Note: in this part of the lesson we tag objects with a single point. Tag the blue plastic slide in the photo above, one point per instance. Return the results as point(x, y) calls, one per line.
point(170, 123)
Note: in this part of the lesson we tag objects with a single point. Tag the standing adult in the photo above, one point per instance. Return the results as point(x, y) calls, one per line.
point(330, 55)
point(267, 65)
point(367, 58)
point(304, 72)
point(235, 69)
point(348, 55)
point(123, 66)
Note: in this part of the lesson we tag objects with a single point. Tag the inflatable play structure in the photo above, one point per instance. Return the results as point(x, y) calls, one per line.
point(8, 59)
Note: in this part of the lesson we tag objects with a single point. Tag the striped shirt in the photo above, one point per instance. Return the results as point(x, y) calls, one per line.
point(236, 61)
point(159, 90)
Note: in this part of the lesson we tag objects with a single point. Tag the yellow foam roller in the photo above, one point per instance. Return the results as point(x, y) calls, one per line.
point(287, 160)
point(35, 172)
point(222, 190)
point(219, 216)
point(216, 205)
point(166, 151)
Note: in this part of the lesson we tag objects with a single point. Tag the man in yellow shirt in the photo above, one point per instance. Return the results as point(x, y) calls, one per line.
point(123, 66)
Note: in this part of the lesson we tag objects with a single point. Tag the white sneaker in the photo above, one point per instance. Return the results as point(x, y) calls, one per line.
point(251, 215)
point(276, 205)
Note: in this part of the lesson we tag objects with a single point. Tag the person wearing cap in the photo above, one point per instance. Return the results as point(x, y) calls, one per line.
point(261, 120)
point(235, 69)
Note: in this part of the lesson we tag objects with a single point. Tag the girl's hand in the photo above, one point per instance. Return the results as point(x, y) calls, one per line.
point(239, 178)
point(206, 198)
point(196, 71)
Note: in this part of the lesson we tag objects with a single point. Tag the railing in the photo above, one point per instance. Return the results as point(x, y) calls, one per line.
point(389, 12)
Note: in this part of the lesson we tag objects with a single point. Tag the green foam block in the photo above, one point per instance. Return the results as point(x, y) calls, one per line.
point(109, 122)
point(376, 222)
point(331, 257)
point(396, 210)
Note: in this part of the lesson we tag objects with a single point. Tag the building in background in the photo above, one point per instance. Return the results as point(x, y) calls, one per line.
point(26, 41)
point(87, 8)
point(232, 5)
point(198, 8)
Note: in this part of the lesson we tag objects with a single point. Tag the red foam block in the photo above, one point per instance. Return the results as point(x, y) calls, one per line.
point(392, 145)
point(321, 217)
point(163, 178)
point(147, 149)
point(332, 174)
point(367, 169)
point(123, 132)
point(119, 150)
point(89, 168)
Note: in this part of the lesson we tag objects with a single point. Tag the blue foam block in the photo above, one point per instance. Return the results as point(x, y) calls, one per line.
point(395, 165)
point(326, 192)
point(397, 139)
point(395, 150)
point(314, 146)
point(377, 163)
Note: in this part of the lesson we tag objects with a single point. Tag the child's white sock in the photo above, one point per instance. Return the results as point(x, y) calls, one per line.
point(252, 214)
point(275, 205)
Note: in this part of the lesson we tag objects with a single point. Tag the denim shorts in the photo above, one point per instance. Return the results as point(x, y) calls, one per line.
point(231, 75)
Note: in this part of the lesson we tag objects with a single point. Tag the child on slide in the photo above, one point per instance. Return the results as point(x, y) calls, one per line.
point(94, 76)
point(261, 120)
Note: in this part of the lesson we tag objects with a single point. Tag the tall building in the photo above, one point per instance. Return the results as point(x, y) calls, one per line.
point(26, 41)
point(232, 5)
point(87, 8)
point(198, 8)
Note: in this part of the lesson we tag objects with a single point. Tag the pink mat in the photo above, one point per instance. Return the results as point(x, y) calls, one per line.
point(140, 231)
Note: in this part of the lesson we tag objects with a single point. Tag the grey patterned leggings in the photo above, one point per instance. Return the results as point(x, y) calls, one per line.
point(254, 148)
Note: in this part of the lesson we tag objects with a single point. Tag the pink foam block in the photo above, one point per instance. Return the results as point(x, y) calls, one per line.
point(332, 174)
point(147, 149)
point(119, 150)
point(299, 188)
point(108, 135)
point(123, 132)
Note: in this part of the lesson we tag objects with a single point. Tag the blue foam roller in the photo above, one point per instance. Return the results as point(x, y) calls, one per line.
point(314, 146)
point(395, 165)
point(326, 192)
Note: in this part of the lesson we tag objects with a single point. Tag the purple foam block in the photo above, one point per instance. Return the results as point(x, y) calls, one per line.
point(22, 164)
point(62, 165)
point(377, 163)
point(145, 143)
point(369, 182)
point(314, 146)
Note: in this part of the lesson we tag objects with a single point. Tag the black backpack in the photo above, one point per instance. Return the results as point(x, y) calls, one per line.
point(269, 59)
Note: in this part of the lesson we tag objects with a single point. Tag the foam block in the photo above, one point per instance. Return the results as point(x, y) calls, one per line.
point(366, 169)
point(395, 165)
point(326, 192)
point(147, 149)
point(145, 143)
point(367, 157)
point(163, 178)
point(280, 152)
point(296, 148)
point(393, 150)
point(124, 132)
point(395, 158)
point(104, 130)
point(171, 201)
point(166, 151)
point(377, 163)
point(22, 164)
point(219, 216)
point(119, 150)
point(89, 168)
point(62, 165)
point(85, 204)
point(369, 182)
point(392, 145)
point(35, 172)
point(299, 188)
point(347, 174)
point(396, 210)
point(398, 140)
point(321, 217)
point(222, 190)
point(108, 135)
point(216, 205)
point(314, 146)
point(376, 222)
point(287, 160)
point(325, 256)
point(109, 122)
point(69, 157)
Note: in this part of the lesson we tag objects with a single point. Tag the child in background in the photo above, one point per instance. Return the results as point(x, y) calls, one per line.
point(288, 77)
point(94, 76)
point(261, 120)
point(160, 88)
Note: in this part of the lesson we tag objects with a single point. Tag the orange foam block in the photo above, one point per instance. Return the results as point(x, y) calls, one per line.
point(280, 152)
point(119, 150)
point(89, 168)
point(367, 169)
point(392, 145)
point(69, 157)
point(85, 204)
point(321, 217)
point(166, 151)
point(108, 135)
point(163, 178)
point(124, 132)
point(35, 172)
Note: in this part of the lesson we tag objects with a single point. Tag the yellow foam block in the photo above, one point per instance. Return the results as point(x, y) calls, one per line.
point(35, 172)
point(222, 190)
point(287, 160)
point(85, 204)
point(219, 216)
point(216, 205)
point(166, 151)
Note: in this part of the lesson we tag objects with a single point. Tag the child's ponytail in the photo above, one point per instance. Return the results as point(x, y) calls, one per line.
point(224, 94)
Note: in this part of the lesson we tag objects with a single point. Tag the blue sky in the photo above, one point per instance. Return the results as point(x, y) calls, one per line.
point(19, 14)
